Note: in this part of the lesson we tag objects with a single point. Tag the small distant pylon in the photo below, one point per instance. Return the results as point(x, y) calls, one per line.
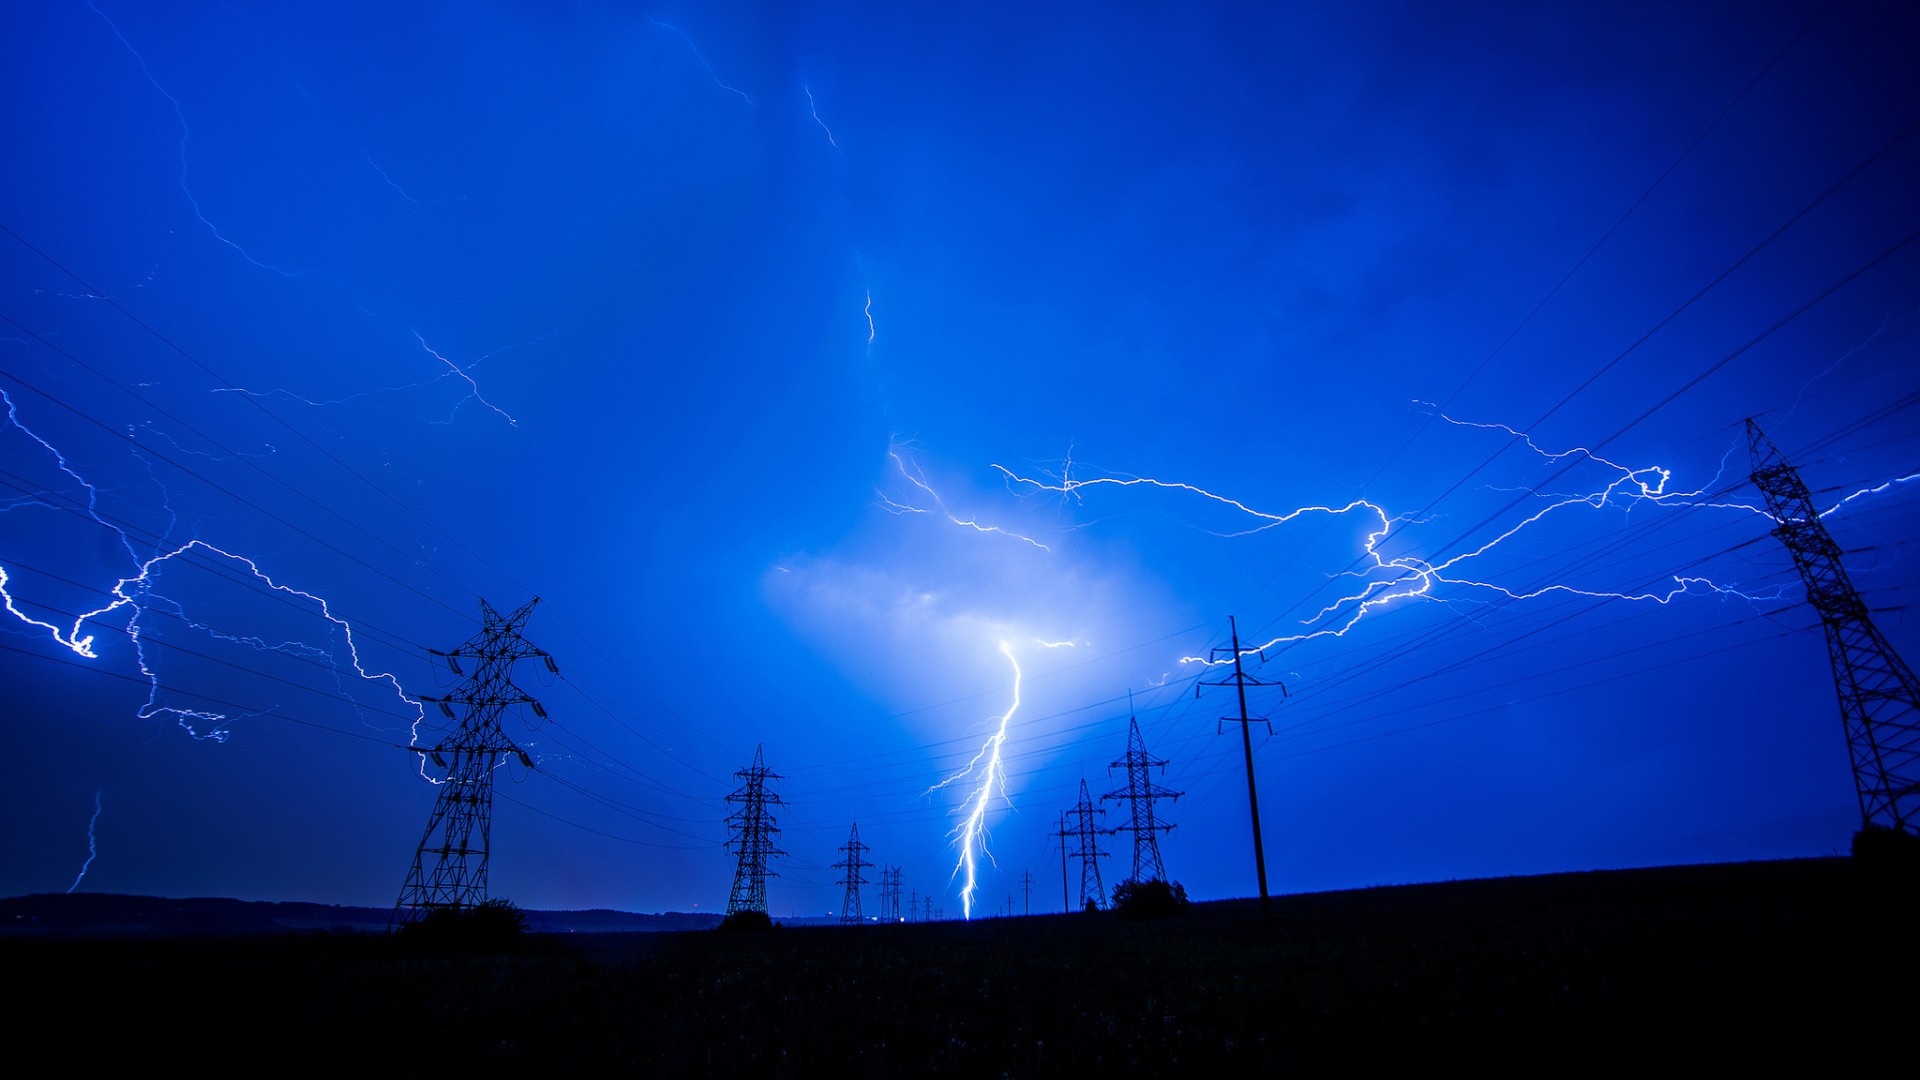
point(852, 864)
point(1879, 696)
point(1141, 792)
point(1085, 835)
point(889, 894)
point(450, 864)
point(751, 833)
point(1026, 888)
point(913, 906)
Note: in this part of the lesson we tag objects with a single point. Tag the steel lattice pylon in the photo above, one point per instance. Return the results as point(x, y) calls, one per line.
point(850, 913)
point(752, 832)
point(450, 865)
point(1141, 792)
point(1086, 836)
point(1879, 696)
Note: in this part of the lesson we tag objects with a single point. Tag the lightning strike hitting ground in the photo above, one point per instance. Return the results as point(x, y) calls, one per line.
point(93, 848)
point(990, 777)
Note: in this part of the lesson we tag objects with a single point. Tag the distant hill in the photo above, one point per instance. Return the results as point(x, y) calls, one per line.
point(114, 915)
point(1797, 968)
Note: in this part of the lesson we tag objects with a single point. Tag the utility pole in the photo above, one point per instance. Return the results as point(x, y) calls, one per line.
point(1140, 793)
point(1879, 696)
point(449, 870)
point(1086, 837)
point(752, 830)
point(1240, 681)
point(852, 864)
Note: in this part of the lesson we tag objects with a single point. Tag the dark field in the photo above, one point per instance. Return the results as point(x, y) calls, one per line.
point(1717, 967)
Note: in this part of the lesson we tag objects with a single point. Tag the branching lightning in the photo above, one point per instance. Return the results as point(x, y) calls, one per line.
point(1391, 580)
point(93, 848)
point(918, 479)
point(990, 777)
point(456, 369)
point(134, 597)
point(452, 371)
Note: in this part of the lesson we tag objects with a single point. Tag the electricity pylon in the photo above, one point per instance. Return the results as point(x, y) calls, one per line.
point(449, 868)
point(852, 864)
point(1879, 696)
point(1087, 847)
point(1026, 889)
point(1140, 793)
point(889, 894)
point(751, 836)
point(1240, 681)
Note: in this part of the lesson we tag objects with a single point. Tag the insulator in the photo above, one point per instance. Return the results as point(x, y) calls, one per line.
point(551, 666)
point(524, 759)
point(539, 710)
point(446, 708)
point(437, 759)
point(454, 663)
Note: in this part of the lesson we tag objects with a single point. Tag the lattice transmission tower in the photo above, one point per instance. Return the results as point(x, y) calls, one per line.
point(1141, 793)
point(1085, 836)
point(853, 849)
point(449, 868)
point(1879, 696)
point(750, 833)
point(890, 894)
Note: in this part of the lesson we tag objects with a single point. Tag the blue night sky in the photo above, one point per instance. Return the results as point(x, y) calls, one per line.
point(794, 354)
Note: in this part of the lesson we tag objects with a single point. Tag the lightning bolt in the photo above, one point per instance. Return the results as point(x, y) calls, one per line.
point(918, 479)
point(93, 849)
point(186, 136)
point(990, 776)
point(698, 55)
point(1390, 581)
point(814, 108)
point(474, 387)
point(135, 596)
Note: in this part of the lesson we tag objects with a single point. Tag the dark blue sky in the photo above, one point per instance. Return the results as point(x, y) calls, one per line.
point(757, 340)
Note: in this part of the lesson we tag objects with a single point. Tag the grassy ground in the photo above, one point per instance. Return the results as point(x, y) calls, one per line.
point(1722, 966)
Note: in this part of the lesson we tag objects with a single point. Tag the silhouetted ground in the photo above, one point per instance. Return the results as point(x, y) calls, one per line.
point(1715, 967)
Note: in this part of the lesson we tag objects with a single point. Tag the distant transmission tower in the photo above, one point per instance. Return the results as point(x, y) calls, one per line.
point(1141, 792)
point(893, 897)
point(1879, 696)
point(1240, 681)
point(1026, 887)
point(913, 906)
point(450, 866)
point(852, 864)
point(1087, 848)
point(751, 836)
